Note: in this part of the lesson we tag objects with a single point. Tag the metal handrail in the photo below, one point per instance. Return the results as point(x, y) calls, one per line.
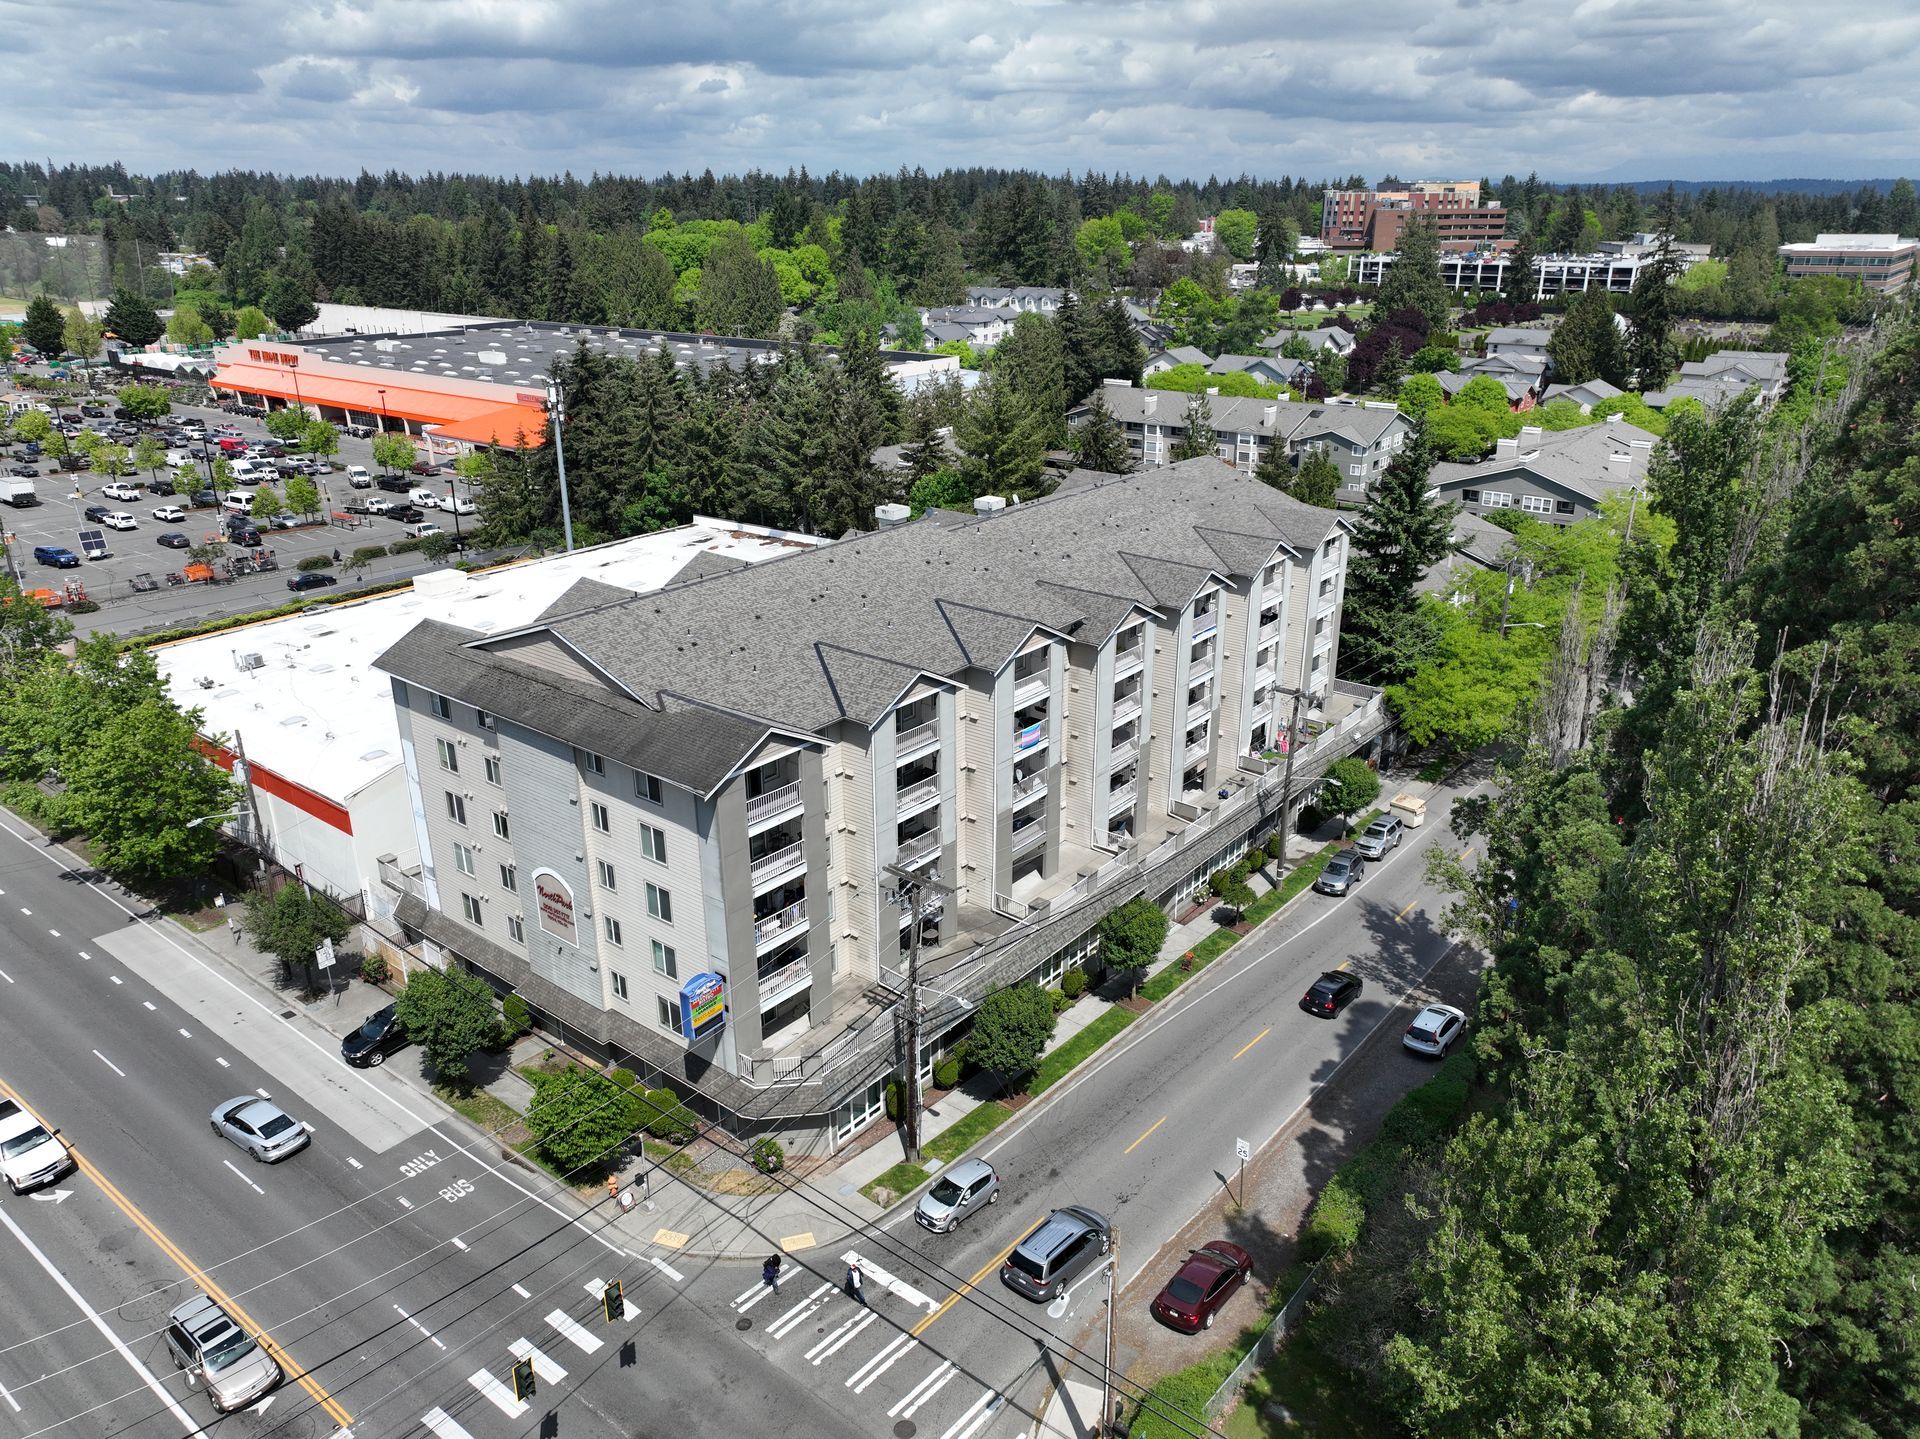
point(919, 847)
point(780, 921)
point(913, 794)
point(1033, 784)
point(1032, 735)
point(908, 739)
point(1028, 835)
point(771, 800)
point(773, 863)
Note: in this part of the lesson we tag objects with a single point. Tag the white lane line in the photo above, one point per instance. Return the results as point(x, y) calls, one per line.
point(575, 1335)
point(354, 1162)
point(109, 1064)
point(977, 1417)
point(186, 1034)
point(188, 1425)
point(221, 1062)
point(85, 955)
point(25, 910)
point(522, 1291)
point(303, 1123)
point(901, 1346)
point(460, 1244)
point(501, 1396)
point(418, 1325)
point(9, 1398)
point(665, 1268)
point(243, 1178)
point(839, 1338)
point(750, 1297)
point(114, 977)
point(443, 1425)
point(544, 1369)
point(54, 932)
point(924, 1390)
point(263, 1094)
point(150, 1004)
point(7, 977)
point(778, 1329)
point(405, 1203)
point(598, 1290)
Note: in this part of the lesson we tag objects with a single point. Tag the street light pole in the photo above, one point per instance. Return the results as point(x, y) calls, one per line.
point(911, 885)
point(557, 407)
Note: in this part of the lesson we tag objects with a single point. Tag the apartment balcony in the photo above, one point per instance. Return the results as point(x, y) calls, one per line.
point(1199, 709)
point(1027, 836)
point(1323, 641)
point(1034, 688)
point(776, 865)
point(918, 849)
point(1126, 709)
point(773, 806)
point(1204, 625)
point(1129, 661)
point(782, 922)
point(1032, 787)
point(1120, 800)
point(784, 979)
point(1122, 754)
point(1269, 631)
point(1196, 751)
point(1032, 737)
point(920, 795)
point(912, 743)
point(398, 879)
point(1200, 673)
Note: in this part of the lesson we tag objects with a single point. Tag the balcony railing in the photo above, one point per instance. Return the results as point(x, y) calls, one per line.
point(1033, 687)
point(784, 980)
point(780, 861)
point(1121, 799)
point(397, 879)
point(915, 796)
point(1122, 754)
point(1033, 734)
point(909, 742)
point(1026, 789)
point(780, 922)
point(1200, 673)
point(1196, 751)
point(1270, 630)
point(1125, 709)
point(914, 850)
point(1027, 836)
point(1126, 662)
point(1199, 709)
point(1204, 625)
point(770, 804)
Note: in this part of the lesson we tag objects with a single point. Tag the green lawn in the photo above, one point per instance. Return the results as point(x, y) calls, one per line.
point(897, 1181)
point(1056, 1066)
point(1204, 953)
point(1321, 1400)
point(965, 1132)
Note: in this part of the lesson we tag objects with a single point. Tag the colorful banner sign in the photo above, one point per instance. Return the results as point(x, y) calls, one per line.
point(555, 899)
point(703, 1005)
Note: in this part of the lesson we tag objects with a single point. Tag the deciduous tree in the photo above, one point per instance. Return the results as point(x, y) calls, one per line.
point(580, 1118)
point(451, 1015)
point(1010, 1028)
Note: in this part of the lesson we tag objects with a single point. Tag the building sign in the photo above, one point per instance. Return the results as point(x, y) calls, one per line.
point(274, 357)
point(703, 1005)
point(555, 897)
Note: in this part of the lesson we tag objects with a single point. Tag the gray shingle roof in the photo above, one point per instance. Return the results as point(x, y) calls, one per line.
point(584, 594)
point(1508, 335)
point(1590, 462)
point(703, 564)
point(1587, 392)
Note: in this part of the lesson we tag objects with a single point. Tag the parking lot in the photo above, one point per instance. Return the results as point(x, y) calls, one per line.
point(119, 581)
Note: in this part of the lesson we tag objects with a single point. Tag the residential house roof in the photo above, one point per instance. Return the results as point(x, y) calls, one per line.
point(1261, 367)
point(1291, 420)
point(1476, 543)
point(1518, 387)
point(1178, 355)
point(1326, 337)
point(1524, 337)
point(1586, 394)
point(1587, 463)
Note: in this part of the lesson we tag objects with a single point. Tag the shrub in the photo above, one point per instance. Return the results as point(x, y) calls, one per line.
point(767, 1155)
point(894, 1096)
point(515, 1018)
point(315, 562)
point(666, 1117)
point(634, 1103)
point(962, 1055)
point(83, 607)
point(1333, 1224)
point(1058, 999)
point(1426, 1116)
point(1073, 983)
point(946, 1074)
point(373, 968)
point(1220, 881)
point(1172, 1397)
point(365, 554)
point(1276, 845)
point(403, 547)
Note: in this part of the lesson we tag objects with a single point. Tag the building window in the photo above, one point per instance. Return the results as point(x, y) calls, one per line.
point(647, 787)
point(500, 824)
point(1496, 499)
point(607, 876)
point(612, 927)
point(456, 808)
point(1536, 504)
point(441, 706)
point(666, 1014)
point(664, 960)
point(516, 929)
point(463, 859)
point(492, 764)
point(602, 821)
point(653, 843)
point(1563, 507)
point(449, 756)
point(619, 983)
point(590, 762)
point(483, 719)
point(510, 878)
point(1471, 497)
point(659, 904)
point(471, 906)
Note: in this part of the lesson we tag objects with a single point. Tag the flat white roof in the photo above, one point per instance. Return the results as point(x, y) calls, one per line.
point(301, 691)
point(1852, 242)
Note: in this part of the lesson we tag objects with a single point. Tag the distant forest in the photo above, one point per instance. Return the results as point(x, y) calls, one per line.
point(849, 251)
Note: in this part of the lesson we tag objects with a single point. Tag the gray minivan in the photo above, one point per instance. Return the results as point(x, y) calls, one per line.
point(1068, 1242)
point(215, 1351)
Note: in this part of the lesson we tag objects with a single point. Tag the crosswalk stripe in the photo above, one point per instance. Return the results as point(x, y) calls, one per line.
point(573, 1333)
point(780, 1327)
point(977, 1417)
point(544, 1368)
point(837, 1340)
point(443, 1424)
point(598, 1290)
point(751, 1297)
point(497, 1392)
point(924, 1390)
point(901, 1345)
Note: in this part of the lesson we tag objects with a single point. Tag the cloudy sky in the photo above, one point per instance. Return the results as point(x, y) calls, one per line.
point(1602, 89)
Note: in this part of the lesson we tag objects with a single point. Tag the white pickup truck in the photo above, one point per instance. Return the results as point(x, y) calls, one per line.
point(30, 1155)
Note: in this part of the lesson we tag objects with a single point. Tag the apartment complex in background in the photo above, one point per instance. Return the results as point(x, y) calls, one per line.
point(1883, 263)
point(1613, 267)
point(686, 826)
point(1373, 219)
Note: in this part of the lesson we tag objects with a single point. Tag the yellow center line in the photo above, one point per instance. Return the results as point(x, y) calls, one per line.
point(1465, 854)
point(1403, 913)
point(954, 1298)
point(1251, 1042)
point(1149, 1134)
point(199, 1276)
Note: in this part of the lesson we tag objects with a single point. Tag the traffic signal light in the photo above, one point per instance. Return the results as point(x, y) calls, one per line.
point(613, 1299)
point(523, 1379)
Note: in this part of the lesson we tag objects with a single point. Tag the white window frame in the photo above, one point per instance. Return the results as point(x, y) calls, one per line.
point(602, 816)
point(501, 825)
point(653, 843)
point(659, 903)
point(440, 705)
point(449, 755)
point(516, 929)
point(666, 961)
point(464, 860)
point(608, 877)
point(668, 1016)
point(470, 907)
point(647, 788)
point(492, 766)
point(619, 982)
point(457, 809)
point(610, 927)
point(510, 878)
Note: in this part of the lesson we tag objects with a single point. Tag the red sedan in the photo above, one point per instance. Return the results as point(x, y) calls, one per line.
point(1203, 1285)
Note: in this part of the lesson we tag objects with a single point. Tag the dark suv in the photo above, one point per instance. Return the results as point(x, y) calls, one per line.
point(59, 556)
point(1068, 1242)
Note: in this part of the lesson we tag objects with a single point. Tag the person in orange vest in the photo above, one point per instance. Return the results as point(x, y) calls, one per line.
point(613, 1186)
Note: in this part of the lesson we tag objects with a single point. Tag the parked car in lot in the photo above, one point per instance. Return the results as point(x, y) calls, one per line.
point(394, 484)
point(174, 540)
point(422, 467)
point(1064, 1246)
point(1332, 992)
point(25, 472)
point(373, 1041)
point(173, 514)
point(1377, 838)
point(1343, 872)
point(457, 505)
point(121, 491)
point(406, 514)
point(312, 580)
point(95, 514)
point(356, 507)
point(121, 520)
point(247, 536)
point(201, 499)
point(968, 1187)
point(285, 520)
point(421, 531)
point(358, 477)
point(261, 1127)
point(1434, 1030)
point(161, 487)
point(379, 505)
point(217, 1353)
point(1198, 1289)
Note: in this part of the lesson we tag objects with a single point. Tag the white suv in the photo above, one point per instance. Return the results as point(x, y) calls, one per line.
point(30, 1154)
point(217, 1352)
point(120, 491)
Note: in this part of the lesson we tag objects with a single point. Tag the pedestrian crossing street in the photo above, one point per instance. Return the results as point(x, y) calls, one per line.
point(548, 1372)
point(839, 1332)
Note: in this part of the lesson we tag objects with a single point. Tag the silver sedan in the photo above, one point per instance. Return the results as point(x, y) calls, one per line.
point(261, 1127)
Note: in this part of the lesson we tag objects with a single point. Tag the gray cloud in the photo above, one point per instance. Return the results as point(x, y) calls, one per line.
point(1595, 89)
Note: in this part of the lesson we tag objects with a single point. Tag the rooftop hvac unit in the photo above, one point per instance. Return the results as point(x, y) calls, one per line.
point(250, 661)
point(492, 357)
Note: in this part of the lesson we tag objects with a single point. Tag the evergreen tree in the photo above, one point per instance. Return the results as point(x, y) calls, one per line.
point(44, 327)
point(739, 292)
point(1199, 437)
point(1585, 345)
point(1400, 532)
point(134, 320)
point(943, 281)
point(703, 462)
point(290, 301)
point(1413, 280)
point(1316, 481)
point(1100, 444)
point(868, 376)
point(1003, 443)
point(1030, 361)
point(1521, 285)
point(1651, 351)
point(556, 286)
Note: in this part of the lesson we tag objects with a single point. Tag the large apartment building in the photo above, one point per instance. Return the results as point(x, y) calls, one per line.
point(1373, 219)
point(678, 824)
point(1614, 268)
point(1883, 263)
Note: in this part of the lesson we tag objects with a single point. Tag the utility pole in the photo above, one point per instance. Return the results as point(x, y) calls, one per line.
point(911, 885)
point(1506, 600)
point(1107, 1415)
point(1286, 783)
point(243, 772)
point(557, 407)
